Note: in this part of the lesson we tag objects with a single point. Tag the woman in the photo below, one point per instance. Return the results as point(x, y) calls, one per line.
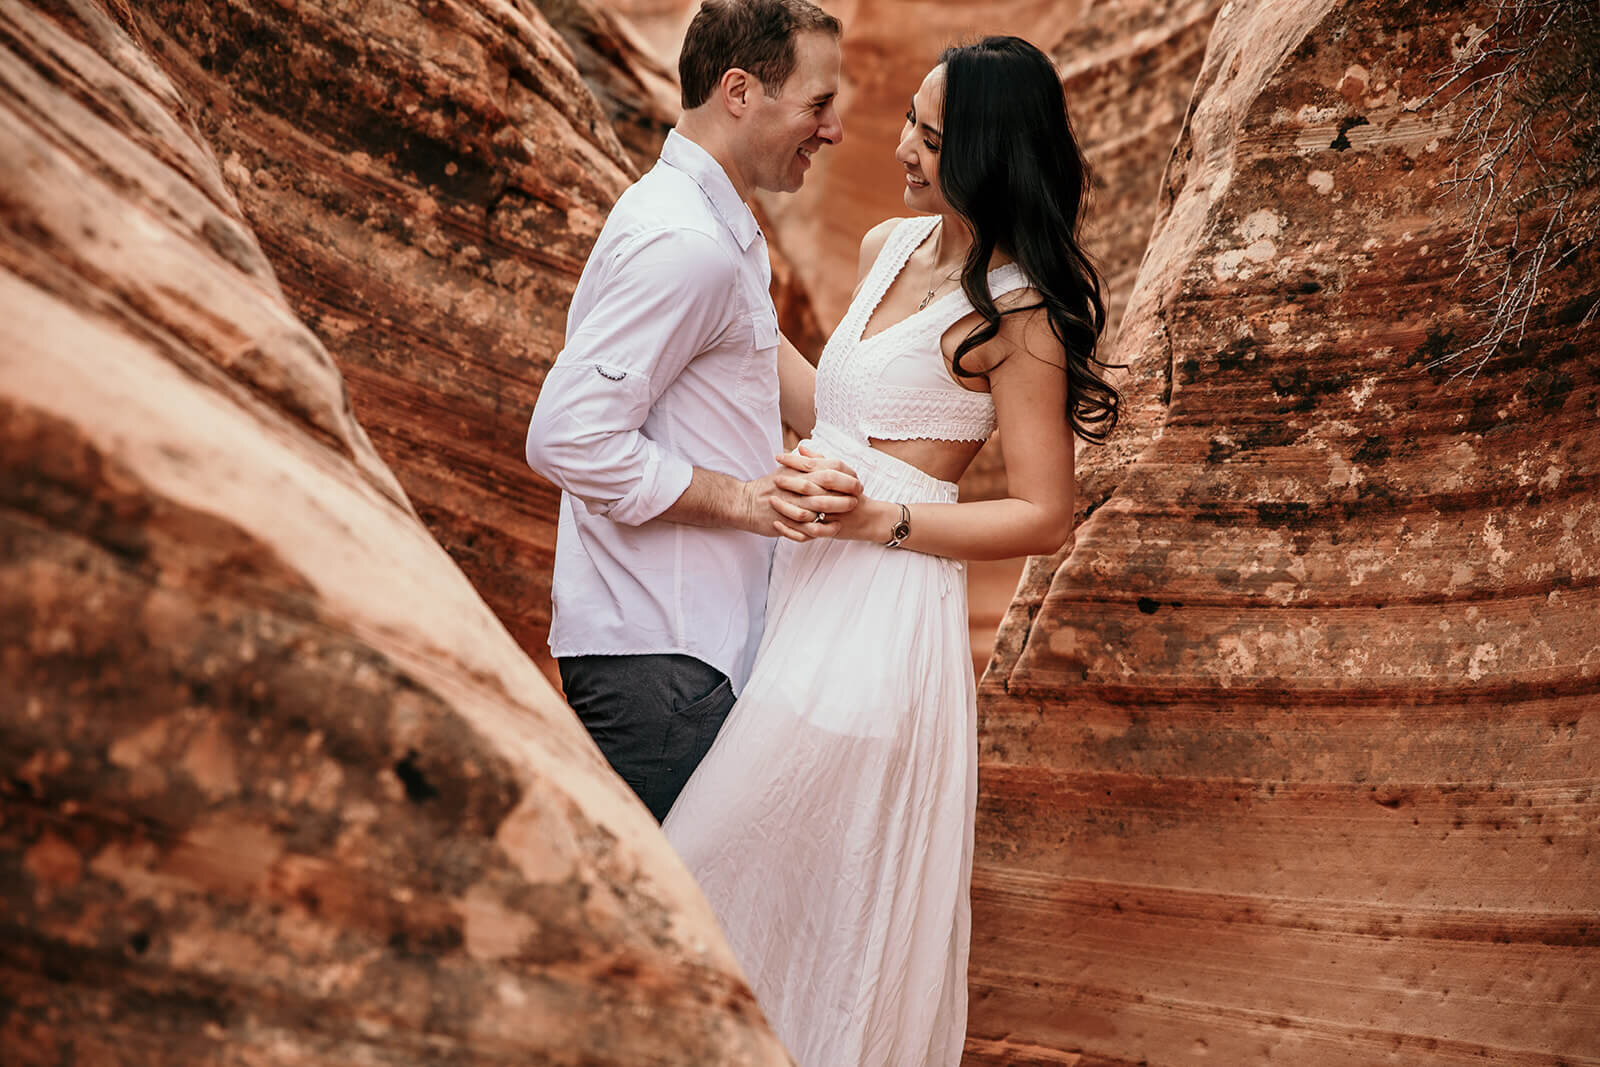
point(831, 823)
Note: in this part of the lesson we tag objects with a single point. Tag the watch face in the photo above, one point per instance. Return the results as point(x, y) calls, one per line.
point(901, 531)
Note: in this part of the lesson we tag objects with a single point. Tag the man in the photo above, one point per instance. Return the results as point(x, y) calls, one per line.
point(661, 416)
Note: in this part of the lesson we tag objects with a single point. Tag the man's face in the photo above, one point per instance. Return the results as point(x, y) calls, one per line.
point(782, 132)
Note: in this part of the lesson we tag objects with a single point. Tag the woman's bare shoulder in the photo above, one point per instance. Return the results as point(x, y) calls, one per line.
point(873, 243)
point(1024, 328)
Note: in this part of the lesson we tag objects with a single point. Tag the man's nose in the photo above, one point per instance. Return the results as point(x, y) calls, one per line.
point(832, 128)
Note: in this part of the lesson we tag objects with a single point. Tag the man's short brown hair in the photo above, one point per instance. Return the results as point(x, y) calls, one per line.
point(757, 36)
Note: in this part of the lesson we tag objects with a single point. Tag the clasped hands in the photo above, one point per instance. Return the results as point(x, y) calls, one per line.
point(812, 497)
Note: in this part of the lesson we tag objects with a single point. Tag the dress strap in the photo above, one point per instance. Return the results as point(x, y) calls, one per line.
point(904, 239)
point(1006, 279)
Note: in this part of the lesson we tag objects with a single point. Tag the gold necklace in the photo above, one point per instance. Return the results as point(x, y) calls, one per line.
point(938, 238)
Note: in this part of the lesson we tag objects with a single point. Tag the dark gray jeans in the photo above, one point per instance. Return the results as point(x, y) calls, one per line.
point(653, 717)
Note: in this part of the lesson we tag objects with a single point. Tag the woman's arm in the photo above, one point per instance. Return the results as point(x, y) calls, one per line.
point(1028, 381)
point(797, 388)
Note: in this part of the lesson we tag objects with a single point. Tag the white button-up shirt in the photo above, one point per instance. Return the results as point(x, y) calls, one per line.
point(670, 364)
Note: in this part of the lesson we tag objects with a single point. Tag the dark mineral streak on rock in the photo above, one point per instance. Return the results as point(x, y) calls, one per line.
point(275, 785)
point(426, 183)
point(1342, 807)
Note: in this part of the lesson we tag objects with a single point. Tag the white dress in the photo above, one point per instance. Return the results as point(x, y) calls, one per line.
point(830, 824)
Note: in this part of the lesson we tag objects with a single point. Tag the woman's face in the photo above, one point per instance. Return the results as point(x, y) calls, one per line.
point(920, 140)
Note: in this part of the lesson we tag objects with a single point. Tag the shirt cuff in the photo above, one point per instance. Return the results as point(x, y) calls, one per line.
point(665, 478)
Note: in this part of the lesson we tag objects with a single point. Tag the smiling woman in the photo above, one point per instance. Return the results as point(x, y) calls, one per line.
point(847, 771)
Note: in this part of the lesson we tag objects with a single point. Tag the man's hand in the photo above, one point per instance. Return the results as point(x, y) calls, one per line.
point(803, 485)
point(808, 492)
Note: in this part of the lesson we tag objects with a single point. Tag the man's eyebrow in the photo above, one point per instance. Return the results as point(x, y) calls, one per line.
point(823, 98)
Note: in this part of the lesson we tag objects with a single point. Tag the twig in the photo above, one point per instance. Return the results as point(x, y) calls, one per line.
point(1531, 84)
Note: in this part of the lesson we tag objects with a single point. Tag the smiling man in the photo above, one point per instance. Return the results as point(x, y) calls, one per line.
point(661, 417)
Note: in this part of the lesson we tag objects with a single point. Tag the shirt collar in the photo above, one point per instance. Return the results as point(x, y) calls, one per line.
point(682, 154)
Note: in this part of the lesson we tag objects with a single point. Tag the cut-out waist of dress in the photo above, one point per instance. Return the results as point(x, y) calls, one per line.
point(883, 476)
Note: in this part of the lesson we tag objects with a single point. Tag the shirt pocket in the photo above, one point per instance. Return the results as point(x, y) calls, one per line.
point(758, 382)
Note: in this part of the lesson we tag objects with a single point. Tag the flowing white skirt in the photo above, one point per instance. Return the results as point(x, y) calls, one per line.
point(830, 825)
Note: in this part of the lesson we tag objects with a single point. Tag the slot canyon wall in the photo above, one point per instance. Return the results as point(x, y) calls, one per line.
point(1291, 759)
point(426, 182)
point(276, 787)
point(1295, 758)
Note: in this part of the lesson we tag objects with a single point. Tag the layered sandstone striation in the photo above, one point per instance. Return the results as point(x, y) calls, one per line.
point(426, 182)
point(277, 786)
point(1128, 69)
point(1295, 758)
point(635, 87)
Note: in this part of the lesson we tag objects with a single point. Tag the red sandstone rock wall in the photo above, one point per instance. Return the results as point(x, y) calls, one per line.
point(1129, 70)
point(426, 183)
point(637, 90)
point(1296, 757)
point(275, 786)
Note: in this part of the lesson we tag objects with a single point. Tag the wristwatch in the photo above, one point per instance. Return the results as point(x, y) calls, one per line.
point(901, 530)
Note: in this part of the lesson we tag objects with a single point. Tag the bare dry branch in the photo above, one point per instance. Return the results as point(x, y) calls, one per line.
point(1530, 84)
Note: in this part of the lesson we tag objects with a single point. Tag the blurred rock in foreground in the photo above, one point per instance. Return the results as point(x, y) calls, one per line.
point(277, 788)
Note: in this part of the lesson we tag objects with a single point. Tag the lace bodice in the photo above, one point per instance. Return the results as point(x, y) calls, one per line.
point(893, 386)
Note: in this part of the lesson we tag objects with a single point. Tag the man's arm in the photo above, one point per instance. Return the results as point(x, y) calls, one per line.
point(712, 499)
point(665, 300)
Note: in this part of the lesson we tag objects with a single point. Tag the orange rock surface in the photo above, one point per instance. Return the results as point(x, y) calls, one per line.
point(426, 182)
point(276, 786)
point(1295, 758)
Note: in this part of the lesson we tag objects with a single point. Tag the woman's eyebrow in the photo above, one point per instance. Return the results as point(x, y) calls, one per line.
point(931, 129)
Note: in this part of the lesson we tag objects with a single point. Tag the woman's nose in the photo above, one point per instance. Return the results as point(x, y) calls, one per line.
point(905, 151)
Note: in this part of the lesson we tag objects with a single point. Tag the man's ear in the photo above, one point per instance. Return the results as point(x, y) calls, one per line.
point(735, 89)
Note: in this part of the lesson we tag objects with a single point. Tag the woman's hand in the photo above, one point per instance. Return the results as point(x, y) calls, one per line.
point(808, 517)
point(808, 487)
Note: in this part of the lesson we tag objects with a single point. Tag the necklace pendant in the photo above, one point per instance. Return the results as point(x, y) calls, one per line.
point(925, 300)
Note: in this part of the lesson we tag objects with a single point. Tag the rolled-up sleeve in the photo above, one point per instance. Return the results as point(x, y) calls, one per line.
point(666, 296)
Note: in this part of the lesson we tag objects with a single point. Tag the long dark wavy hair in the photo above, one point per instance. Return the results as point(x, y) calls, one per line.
point(1010, 166)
